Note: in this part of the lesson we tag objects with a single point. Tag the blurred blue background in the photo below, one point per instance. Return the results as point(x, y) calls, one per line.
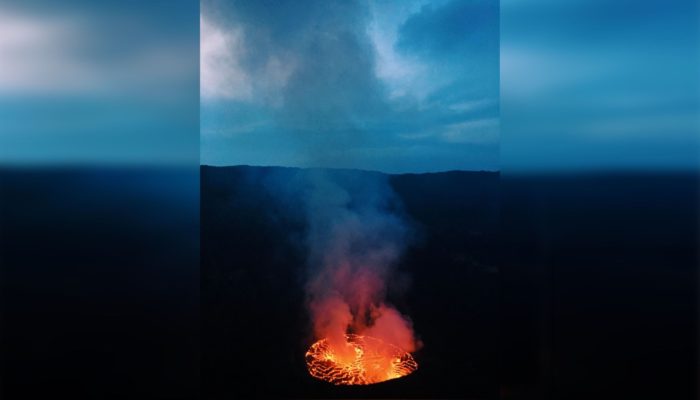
point(600, 133)
point(599, 85)
point(99, 201)
point(99, 82)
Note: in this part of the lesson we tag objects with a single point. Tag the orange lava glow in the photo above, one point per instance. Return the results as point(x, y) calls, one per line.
point(368, 360)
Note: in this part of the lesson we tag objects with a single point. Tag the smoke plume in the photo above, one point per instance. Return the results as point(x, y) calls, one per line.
point(324, 93)
point(356, 235)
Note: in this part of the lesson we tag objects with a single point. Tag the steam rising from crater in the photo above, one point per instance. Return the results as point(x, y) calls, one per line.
point(356, 236)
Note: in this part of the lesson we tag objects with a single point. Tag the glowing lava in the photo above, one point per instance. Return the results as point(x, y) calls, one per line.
point(368, 360)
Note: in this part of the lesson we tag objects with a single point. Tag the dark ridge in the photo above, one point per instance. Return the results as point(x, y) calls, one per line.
point(272, 168)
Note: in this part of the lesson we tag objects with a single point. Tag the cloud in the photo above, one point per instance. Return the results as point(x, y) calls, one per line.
point(353, 79)
point(458, 29)
point(472, 105)
point(484, 131)
point(456, 44)
point(402, 74)
point(221, 75)
point(317, 76)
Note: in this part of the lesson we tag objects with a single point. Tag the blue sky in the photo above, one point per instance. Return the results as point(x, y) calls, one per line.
point(394, 86)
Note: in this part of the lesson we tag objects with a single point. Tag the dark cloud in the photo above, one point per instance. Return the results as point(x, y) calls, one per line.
point(457, 29)
point(331, 89)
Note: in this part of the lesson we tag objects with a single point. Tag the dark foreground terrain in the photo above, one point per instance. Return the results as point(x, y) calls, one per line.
point(562, 287)
point(599, 286)
point(255, 327)
point(589, 290)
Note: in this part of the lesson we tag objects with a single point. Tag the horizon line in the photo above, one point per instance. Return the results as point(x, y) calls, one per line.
point(354, 169)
